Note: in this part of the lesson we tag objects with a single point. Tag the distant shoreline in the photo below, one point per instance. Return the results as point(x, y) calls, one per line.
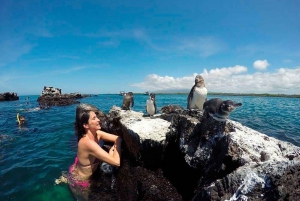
point(217, 93)
point(238, 94)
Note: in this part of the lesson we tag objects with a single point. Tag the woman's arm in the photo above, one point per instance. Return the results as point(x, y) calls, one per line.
point(114, 155)
point(106, 136)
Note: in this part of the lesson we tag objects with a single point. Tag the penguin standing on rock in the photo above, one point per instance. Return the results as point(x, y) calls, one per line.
point(197, 95)
point(151, 105)
point(215, 115)
point(128, 101)
point(219, 109)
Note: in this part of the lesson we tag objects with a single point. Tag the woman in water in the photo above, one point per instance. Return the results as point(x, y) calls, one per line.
point(89, 153)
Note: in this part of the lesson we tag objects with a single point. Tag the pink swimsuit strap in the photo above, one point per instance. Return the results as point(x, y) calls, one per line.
point(83, 184)
point(71, 168)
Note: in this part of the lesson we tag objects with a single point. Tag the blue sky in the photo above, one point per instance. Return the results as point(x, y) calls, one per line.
point(110, 46)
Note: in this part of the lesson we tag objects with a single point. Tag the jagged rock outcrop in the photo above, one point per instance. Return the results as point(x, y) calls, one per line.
point(53, 97)
point(177, 157)
point(9, 96)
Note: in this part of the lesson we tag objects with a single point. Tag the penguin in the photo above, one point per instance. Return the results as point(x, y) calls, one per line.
point(219, 109)
point(151, 105)
point(128, 101)
point(197, 95)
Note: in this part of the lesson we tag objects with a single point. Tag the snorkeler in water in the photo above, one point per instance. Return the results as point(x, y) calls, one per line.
point(21, 119)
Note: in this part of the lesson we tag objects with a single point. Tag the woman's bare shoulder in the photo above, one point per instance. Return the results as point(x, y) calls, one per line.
point(86, 143)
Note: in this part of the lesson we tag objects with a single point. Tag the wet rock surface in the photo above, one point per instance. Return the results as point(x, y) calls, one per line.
point(179, 156)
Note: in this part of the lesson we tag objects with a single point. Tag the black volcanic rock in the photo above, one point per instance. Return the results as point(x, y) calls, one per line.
point(53, 97)
point(9, 96)
point(46, 101)
point(176, 156)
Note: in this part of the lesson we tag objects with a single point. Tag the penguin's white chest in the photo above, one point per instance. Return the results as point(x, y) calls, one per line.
point(150, 107)
point(199, 98)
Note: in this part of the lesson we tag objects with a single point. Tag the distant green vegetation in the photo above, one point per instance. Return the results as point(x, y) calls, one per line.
point(240, 94)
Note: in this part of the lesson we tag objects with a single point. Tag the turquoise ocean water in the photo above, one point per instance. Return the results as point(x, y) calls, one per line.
point(32, 157)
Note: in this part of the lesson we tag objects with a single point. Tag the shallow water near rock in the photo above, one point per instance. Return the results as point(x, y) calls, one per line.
point(33, 156)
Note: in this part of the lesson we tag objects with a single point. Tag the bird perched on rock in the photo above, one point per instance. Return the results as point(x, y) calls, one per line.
point(215, 115)
point(197, 95)
point(151, 105)
point(219, 109)
point(128, 101)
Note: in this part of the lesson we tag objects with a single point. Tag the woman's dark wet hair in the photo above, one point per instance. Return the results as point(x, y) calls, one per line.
point(82, 117)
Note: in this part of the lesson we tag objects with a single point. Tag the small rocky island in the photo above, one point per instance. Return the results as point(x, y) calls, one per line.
point(9, 96)
point(52, 96)
point(177, 156)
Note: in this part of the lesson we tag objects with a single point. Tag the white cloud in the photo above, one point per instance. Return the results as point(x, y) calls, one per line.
point(104, 33)
point(248, 50)
point(41, 31)
point(287, 61)
point(16, 75)
point(3, 79)
point(109, 43)
point(13, 48)
point(155, 82)
point(203, 46)
point(69, 57)
point(261, 64)
point(200, 46)
point(231, 80)
point(142, 36)
point(227, 71)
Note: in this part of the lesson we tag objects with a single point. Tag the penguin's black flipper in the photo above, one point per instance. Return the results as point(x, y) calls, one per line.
point(190, 97)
